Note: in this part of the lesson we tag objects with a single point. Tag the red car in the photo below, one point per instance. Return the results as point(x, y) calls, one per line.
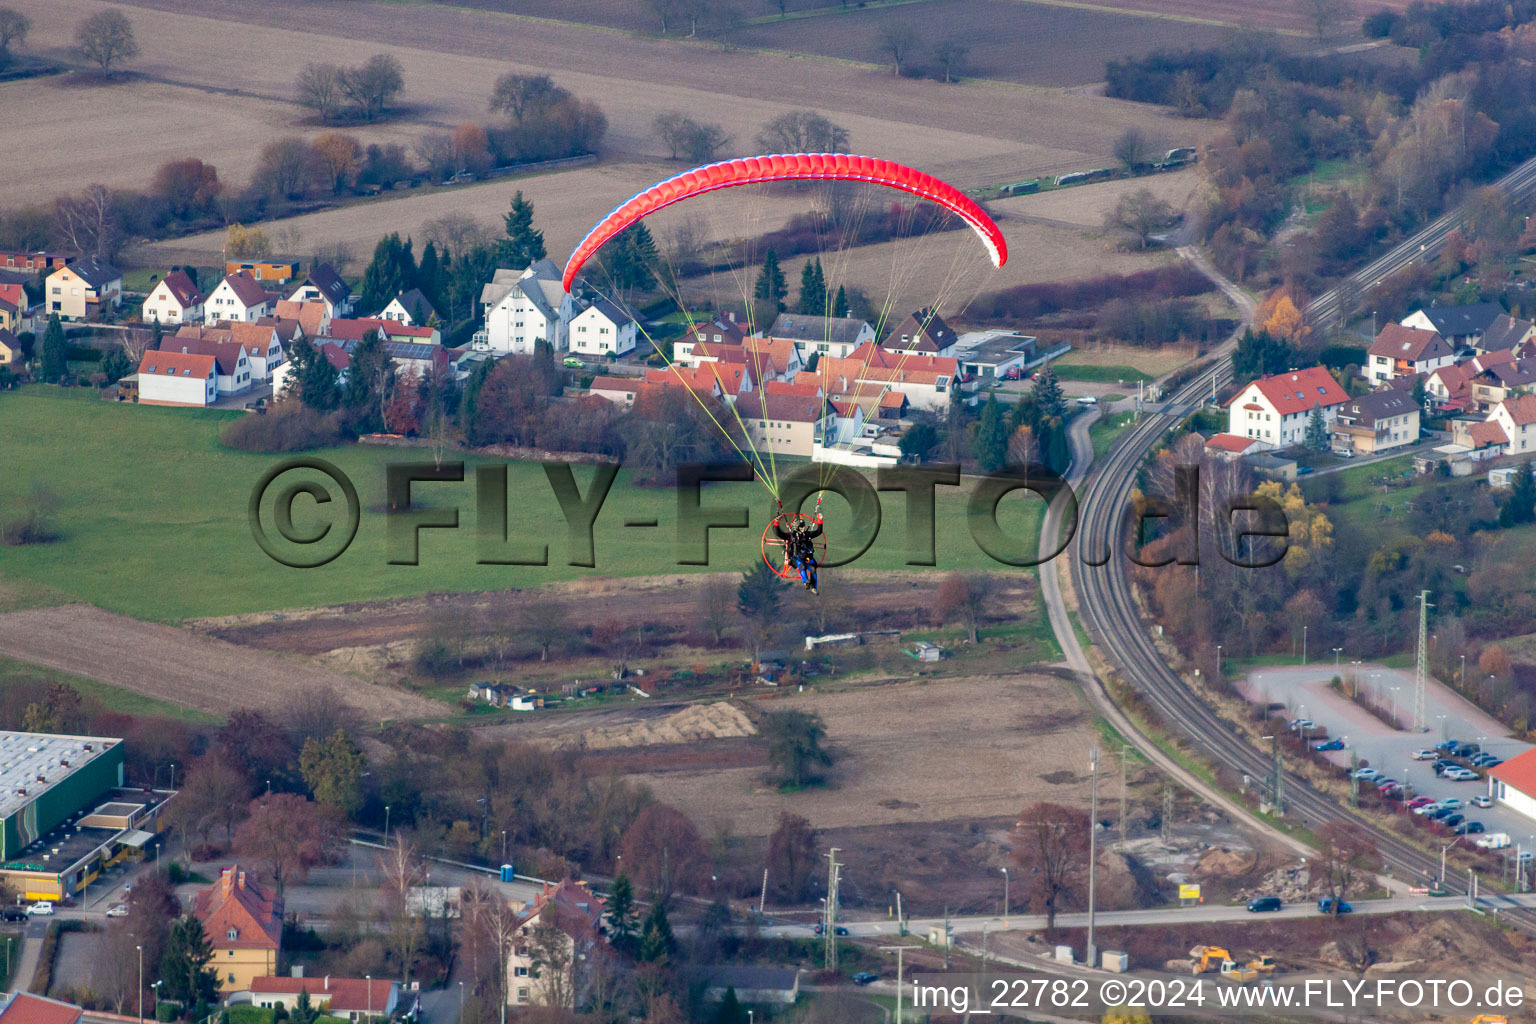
point(1419, 801)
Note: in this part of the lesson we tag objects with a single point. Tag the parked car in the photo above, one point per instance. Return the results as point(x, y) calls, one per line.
point(1482, 800)
point(1424, 755)
point(1452, 802)
point(1469, 828)
point(1494, 841)
point(572, 363)
point(865, 978)
point(1467, 749)
point(1264, 904)
point(1424, 810)
point(1384, 783)
point(1298, 724)
point(1492, 762)
point(1013, 373)
point(1446, 746)
point(43, 908)
point(1419, 801)
point(1087, 400)
point(1325, 906)
point(1441, 767)
point(118, 910)
point(1453, 820)
point(13, 914)
point(1462, 775)
point(1366, 773)
point(1329, 745)
point(1344, 453)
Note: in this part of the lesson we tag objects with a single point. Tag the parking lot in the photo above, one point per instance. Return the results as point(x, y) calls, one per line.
point(1305, 690)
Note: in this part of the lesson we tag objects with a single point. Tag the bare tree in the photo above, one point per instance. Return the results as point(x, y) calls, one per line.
point(898, 40)
point(320, 89)
point(554, 960)
point(403, 874)
point(106, 40)
point(1134, 149)
point(1344, 854)
point(1323, 15)
point(663, 851)
point(456, 232)
point(689, 139)
point(374, 85)
point(114, 975)
point(715, 604)
point(1141, 214)
point(135, 344)
point(792, 856)
point(964, 598)
point(285, 169)
point(950, 53)
point(14, 27)
point(1050, 847)
point(547, 623)
point(435, 149)
point(520, 96)
point(667, 10)
point(88, 222)
point(802, 131)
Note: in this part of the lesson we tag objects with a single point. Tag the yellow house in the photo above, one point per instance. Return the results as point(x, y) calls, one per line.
point(10, 348)
point(81, 289)
point(244, 924)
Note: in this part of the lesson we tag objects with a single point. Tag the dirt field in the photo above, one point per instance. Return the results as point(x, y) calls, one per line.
point(1085, 205)
point(1154, 362)
point(181, 667)
point(955, 749)
point(454, 55)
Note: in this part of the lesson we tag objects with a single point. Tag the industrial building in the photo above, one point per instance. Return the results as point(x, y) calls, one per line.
point(64, 815)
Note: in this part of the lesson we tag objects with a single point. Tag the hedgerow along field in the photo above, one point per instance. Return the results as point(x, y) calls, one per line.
point(153, 523)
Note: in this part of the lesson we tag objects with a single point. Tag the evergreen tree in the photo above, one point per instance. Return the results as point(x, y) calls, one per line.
point(771, 288)
point(656, 937)
point(1048, 399)
point(730, 1011)
point(184, 965)
point(116, 366)
point(840, 304)
point(391, 271)
point(1259, 354)
point(370, 378)
point(621, 912)
point(630, 259)
point(469, 404)
point(1520, 506)
point(1420, 395)
point(432, 278)
point(304, 1010)
point(813, 289)
point(991, 442)
point(55, 352)
point(312, 379)
point(156, 333)
point(524, 244)
point(1317, 431)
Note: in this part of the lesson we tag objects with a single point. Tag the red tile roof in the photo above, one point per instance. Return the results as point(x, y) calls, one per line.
point(226, 353)
point(1398, 342)
point(1298, 390)
point(629, 384)
point(176, 364)
point(794, 408)
point(353, 329)
point(1486, 433)
point(1230, 443)
point(338, 356)
point(1519, 772)
point(237, 904)
point(26, 1008)
point(877, 357)
point(15, 295)
point(806, 389)
point(578, 910)
point(1521, 409)
point(339, 993)
point(182, 289)
point(247, 289)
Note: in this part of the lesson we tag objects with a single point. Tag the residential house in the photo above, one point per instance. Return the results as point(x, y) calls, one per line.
point(238, 297)
point(275, 271)
point(1376, 422)
point(83, 288)
point(926, 381)
point(1512, 784)
point(33, 262)
point(312, 317)
point(10, 348)
point(1449, 389)
point(262, 345)
point(923, 333)
point(721, 330)
point(17, 312)
point(1230, 447)
point(176, 378)
point(1497, 377)
point(230, 358)
point(621, 391)
point(753, 985)
point(769, 358)
point(337, 354)
point(523, 308)
point(784, 424)
point(322, 284)
point(410, 307)
point(423, 360)
point(1508, 332)
point(173, 300)
point(717, 380)
point(26, 1008)
point(352, 999)
point(577, 913)
point(1516, 420)
point(1276, 409)
point(1461, 326)
point(285, 330)
point(834, 336)
point(389, 330)
point(1400, 351)
point(244, 924)
point(603, 329)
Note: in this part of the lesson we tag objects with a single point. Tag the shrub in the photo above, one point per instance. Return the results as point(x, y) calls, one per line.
point(1030, 301)
point(286, 427)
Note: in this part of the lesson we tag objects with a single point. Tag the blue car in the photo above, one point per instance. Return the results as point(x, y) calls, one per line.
point(1325, 906)
point(1329, 745)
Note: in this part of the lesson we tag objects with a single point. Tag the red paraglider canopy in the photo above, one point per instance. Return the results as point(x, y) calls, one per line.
point(753, 170)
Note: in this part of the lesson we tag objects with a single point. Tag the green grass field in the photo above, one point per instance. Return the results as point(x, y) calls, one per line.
point(153, 518)
point(1098, 374)
point(1104, 431)
point(112, 698)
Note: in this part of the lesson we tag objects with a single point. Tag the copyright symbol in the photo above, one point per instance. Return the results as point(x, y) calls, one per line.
point(307, 548)
point(1112, 993)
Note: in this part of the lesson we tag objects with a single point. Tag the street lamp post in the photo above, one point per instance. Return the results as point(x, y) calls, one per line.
point(1218, 660)
point(1443, 848)
point(1005, 897)
point(386, 824)
point(141, 983)
point(1303, 645)
point(503, 846)
point(1093, 843)
point(368, 981)
point(1394, 705)
point(1336, 652)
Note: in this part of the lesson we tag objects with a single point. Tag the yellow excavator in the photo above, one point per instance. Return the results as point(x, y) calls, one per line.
point(1490, 1018)
point(1206, 956)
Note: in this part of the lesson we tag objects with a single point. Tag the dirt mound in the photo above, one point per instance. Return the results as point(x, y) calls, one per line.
point(695, 722)
point(1226, 863)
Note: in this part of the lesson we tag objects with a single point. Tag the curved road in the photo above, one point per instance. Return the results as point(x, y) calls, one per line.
point(1109, 611)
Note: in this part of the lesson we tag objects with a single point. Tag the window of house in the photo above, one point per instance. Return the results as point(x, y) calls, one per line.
point(232, 934)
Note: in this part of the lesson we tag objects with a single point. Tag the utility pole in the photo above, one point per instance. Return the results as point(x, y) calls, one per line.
point(946, 936)
point(899, 951)
point(1093, 843)
point(830, 938)
point(1421, 668)
point(1124, 750)
point(1277, 790)
point(1167, 811)
point(1354, 781)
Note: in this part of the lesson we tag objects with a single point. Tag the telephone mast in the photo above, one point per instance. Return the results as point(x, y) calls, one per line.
point(1421, 669)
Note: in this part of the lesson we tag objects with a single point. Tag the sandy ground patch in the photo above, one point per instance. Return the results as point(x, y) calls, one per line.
point(1086, 205)
point(1154, 361)
point(721, 720)
point(184, 668)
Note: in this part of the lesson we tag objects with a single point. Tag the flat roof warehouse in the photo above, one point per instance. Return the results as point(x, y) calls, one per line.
point(64, 816)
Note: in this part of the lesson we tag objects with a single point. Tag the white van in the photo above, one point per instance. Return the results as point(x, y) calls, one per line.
point(1087, 400)
point(1493, 841)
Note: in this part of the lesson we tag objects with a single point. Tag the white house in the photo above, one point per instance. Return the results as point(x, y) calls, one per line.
point(1513, 784)
point(524, 308)
point(410, 307)
point(173, 300)
point(835, 336)
point(263, 347)
point(603, 329)
point(1276, 409)
point(230, 359)
point(352, 999)
point(238, 297)
point(578, 913)
point(927, 382)
point(1516, 419)
point(1461, 326)
point(1400, 351)
point(80, 289)
point(176, 378)
point(322, 284)
point(923, 333)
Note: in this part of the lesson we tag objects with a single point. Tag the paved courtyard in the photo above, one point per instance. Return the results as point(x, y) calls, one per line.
point(1305, 690)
